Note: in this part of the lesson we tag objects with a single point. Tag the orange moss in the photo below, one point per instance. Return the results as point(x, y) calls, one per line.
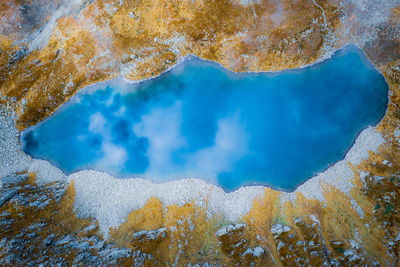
point(190, 233)
point(263, 214)
point(148, 37)
point(150, 217)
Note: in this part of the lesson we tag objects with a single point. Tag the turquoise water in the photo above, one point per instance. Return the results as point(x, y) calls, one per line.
point(199, 120)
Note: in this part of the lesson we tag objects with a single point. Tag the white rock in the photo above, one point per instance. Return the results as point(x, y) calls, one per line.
point(278, 229)
point(228, 228)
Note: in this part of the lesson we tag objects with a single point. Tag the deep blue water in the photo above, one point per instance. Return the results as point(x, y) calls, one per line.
point(199, 120)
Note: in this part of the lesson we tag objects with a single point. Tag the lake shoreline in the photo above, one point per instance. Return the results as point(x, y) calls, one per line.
point(91, 185)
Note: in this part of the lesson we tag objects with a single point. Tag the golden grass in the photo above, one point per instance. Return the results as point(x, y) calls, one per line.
point(150, 217)
point(77, 55)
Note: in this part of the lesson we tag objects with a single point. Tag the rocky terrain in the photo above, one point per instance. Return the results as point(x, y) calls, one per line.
point(39, 226)
point(49, 50)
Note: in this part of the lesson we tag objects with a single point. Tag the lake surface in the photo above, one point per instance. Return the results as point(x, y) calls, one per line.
point(199, 120)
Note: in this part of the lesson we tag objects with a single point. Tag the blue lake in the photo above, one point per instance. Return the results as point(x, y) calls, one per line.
point(199, 120)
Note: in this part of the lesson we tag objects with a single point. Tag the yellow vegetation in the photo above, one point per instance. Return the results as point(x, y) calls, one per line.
point(263, 214)
point(147, 37)
point(58, 217)
point(150, 217)
point(190, 233)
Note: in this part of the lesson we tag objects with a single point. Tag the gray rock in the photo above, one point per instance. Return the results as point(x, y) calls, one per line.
point(7, 195)
point(66, 239)
point(256, 252)
point(99, 245)
point(3, 242)
point(81, 256)
point(49, 240)
point(90, 228)
point(278, 229)
point(13, 179)
point(116, 253)
point(229, 228)
point(151, 235)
